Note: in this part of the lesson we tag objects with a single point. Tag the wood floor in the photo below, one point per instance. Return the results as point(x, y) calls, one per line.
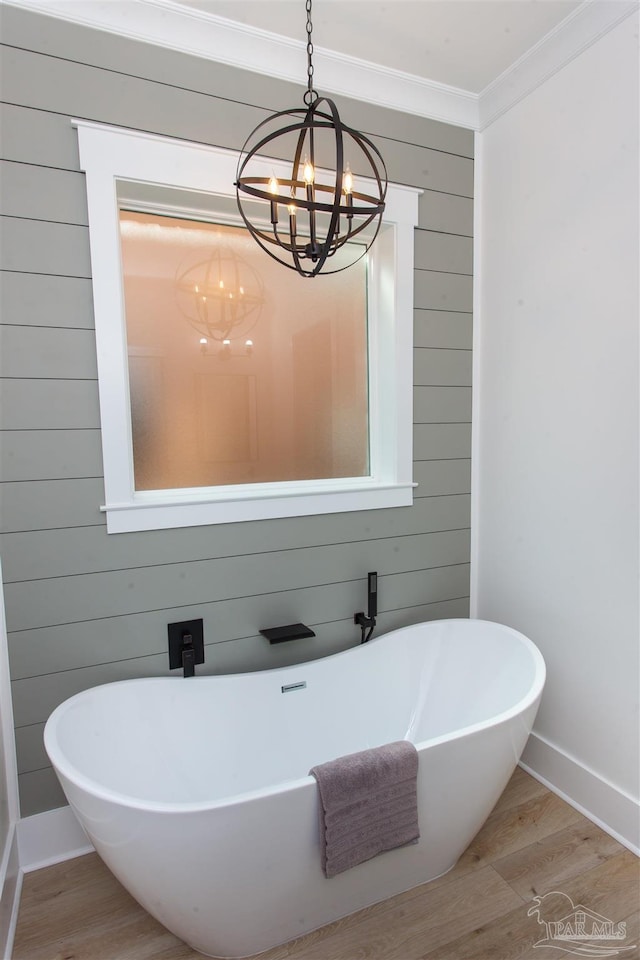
point(532, 844)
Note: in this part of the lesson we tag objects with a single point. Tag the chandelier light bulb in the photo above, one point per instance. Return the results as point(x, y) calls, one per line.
point(308, 172)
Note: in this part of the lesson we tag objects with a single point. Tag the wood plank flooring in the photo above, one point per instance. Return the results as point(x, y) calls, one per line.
point(533, 843)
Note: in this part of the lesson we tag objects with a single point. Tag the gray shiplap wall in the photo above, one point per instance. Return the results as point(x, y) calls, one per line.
point(85, 608)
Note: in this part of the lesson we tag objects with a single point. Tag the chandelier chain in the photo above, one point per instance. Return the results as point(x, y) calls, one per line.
point(310, 95)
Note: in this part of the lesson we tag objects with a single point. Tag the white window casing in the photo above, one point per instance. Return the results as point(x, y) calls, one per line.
point(109, 155)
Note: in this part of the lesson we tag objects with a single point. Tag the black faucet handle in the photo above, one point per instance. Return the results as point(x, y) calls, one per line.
point(186, 645)
point(188, 655)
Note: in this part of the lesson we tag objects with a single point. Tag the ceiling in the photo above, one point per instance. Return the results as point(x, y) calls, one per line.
point(460, 43)
point(462, 62)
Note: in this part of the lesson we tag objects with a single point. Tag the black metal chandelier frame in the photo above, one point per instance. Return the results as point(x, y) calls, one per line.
point(308, 250)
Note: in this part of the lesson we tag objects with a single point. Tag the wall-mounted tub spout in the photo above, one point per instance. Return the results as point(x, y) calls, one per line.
point(291, 631)
point(367, 622)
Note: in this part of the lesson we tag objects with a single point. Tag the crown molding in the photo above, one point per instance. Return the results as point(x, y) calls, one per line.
point(188, 30)
point(201, 34)
point(572, 36)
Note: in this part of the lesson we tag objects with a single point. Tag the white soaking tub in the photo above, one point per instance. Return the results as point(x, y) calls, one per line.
point(196, 792)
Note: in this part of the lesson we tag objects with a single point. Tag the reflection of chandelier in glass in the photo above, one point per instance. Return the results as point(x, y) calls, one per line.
point(221, 295)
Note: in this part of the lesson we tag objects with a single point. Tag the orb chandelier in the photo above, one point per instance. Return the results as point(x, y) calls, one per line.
point(221, 295)
point(313, 213)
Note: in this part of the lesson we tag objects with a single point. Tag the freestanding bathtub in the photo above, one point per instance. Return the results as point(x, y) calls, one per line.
point(196, 792)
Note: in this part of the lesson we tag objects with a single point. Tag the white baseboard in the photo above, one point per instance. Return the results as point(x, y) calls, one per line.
point(34, 842)
point(51, 837)
point(617, 813)
point(10, 886)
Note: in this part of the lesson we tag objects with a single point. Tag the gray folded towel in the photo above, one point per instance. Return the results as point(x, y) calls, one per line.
point(368, 804)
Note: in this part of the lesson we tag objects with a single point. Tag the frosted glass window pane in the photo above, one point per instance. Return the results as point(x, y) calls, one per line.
point(240, 371)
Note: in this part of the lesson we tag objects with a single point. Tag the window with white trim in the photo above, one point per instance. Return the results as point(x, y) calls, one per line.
point(232, 389)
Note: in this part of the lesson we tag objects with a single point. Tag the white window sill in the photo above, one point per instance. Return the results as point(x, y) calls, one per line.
point(161, 510)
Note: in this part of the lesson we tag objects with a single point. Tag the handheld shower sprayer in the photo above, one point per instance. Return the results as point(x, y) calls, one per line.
point(367, 622)
point(372, 587)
